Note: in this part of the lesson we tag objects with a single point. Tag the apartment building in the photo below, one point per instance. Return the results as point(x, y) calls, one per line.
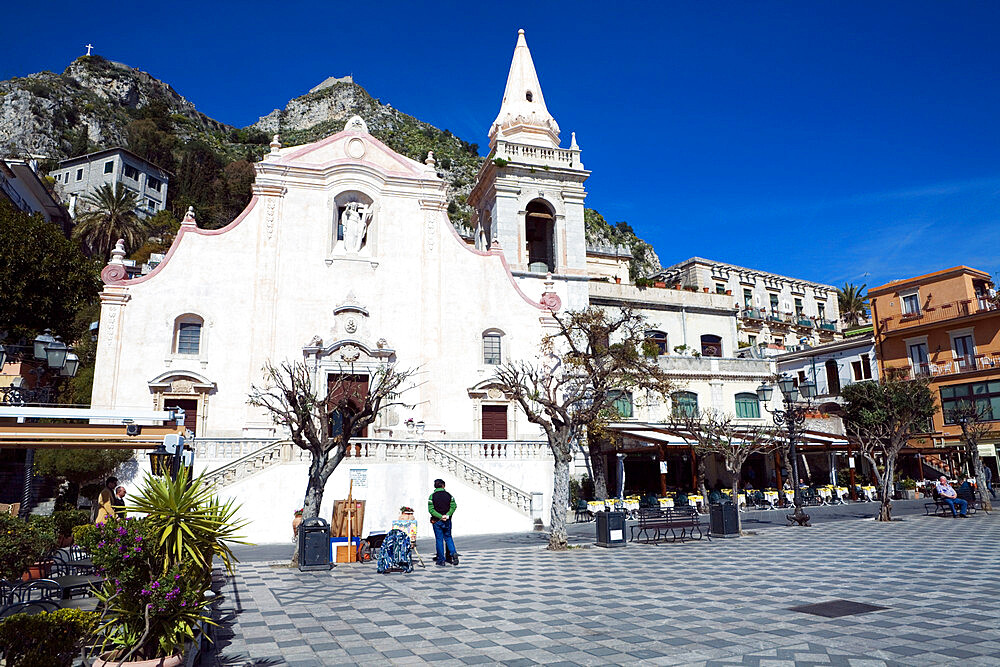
point(77, 176)
point(776, 313)
point(21, 184)
point(944, 326)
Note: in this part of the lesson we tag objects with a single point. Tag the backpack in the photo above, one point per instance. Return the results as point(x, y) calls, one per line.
point(395, 553)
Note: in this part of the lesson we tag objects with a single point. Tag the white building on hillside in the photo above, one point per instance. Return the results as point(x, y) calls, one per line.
point(77, 176)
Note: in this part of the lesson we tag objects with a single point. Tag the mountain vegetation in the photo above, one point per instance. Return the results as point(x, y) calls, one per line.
point(600, 232)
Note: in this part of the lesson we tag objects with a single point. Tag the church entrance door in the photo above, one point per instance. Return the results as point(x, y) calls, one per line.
point(190, 408)
point(494, 422)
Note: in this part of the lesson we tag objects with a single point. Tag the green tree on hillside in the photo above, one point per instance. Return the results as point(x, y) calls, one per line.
point(109, 214)
point(44, 278)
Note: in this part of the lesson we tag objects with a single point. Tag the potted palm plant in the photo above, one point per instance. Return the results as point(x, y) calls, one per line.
point(158, 570)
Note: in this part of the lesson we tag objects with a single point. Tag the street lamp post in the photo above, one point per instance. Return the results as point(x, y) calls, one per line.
point(57, 357)
point(791, 418)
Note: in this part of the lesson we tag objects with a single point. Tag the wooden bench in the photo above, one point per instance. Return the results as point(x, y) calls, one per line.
point(941, 508)
point(659, 521)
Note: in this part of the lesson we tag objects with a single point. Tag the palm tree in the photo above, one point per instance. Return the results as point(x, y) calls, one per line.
point(853, 304)
point(109, 214)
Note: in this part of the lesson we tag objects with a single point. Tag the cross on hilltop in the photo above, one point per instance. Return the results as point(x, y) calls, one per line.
point(89, 47)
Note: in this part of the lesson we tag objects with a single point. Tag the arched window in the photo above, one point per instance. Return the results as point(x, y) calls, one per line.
point(685, 404)
point(711, 345)
point(539, 222)
point(832, 377)
point(187, 335)
point(747, 406)
point(622, 402)
point(491, 348)
point(657, 339)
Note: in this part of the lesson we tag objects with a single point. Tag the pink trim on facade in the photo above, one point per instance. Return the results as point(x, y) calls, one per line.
point(414, 168)
point(109, 276)
point(498, 252)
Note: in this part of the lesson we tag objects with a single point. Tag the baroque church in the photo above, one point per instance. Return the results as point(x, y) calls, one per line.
point(345, 258)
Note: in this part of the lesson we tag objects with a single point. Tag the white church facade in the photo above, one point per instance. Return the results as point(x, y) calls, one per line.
point(345, 259)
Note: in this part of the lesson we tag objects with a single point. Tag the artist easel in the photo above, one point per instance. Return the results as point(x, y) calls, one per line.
point(352, 555)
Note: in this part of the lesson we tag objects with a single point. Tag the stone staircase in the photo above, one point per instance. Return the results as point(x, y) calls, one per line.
point(450, 456)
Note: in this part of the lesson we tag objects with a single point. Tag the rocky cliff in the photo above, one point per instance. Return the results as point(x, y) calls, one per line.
point(86, 107)
point(325, 110)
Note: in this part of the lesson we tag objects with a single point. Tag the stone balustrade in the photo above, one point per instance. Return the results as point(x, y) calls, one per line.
point(453, 456)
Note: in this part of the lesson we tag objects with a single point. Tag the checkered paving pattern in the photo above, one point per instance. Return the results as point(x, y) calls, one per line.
point(722, 602)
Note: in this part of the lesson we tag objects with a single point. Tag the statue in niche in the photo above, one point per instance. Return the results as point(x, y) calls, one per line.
point(355, 219)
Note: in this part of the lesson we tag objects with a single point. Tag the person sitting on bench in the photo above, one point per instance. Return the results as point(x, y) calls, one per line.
point(948, 495)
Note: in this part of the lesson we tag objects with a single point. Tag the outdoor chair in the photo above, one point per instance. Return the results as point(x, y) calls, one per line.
point(37, 589)
point(64, 566)
point(582, 513)
point(6, 590)
point(34, 607)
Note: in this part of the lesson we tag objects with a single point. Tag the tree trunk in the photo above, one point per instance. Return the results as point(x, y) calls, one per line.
point(558, 538)
point(736, 504)
point(318, 476)
point(885, 488)
point(980, 473)
point(599, 464)
point(701, 479)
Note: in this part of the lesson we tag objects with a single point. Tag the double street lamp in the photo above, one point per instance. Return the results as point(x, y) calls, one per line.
point(791, 418)
point(57, 357)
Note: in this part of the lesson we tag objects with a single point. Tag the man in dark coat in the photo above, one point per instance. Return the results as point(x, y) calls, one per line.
point(442, 505)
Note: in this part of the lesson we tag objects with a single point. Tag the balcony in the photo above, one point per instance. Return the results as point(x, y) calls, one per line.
point(798, 320)
point(944, 312)
point(714, 366)
point(969, 364)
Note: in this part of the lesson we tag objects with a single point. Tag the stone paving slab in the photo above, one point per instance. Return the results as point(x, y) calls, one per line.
point(720, 602)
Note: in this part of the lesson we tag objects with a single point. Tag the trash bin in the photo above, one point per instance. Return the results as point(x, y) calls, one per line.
point(314, 545)
point(610, 529)
point(723, 520)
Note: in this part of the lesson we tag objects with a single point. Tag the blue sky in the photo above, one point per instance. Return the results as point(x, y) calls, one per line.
point(847, 141)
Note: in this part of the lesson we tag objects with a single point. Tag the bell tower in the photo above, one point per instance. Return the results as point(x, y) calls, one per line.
point(529, 193)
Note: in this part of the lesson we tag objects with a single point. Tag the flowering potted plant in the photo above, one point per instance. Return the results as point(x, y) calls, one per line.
point(297, 521)
point(20, 547)
point(156, 595)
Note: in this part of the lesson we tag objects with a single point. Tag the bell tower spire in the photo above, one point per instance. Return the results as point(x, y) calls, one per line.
point(523, 117)
point(529, 196)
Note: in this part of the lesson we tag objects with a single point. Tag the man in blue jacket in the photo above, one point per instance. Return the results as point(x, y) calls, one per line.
point(442, 505)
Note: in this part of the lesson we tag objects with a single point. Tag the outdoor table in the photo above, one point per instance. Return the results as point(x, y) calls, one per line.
point(789, 495)
point(771, 497)
point(595, 506)
point(77, 583)
point(86, 604)
point(632, 505)
point(841, 492)
point(695, 500)
point(869, 491)
point(666, 503)
point(825, 493)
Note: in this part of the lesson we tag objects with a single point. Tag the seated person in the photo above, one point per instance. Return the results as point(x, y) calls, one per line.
point(947, 494)
point(966, 491)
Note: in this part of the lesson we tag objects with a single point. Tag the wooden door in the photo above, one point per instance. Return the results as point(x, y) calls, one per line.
point(190, 408)
point(494, 422)
point(350, 388)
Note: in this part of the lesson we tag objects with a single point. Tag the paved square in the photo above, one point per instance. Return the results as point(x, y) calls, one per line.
point(701, 603)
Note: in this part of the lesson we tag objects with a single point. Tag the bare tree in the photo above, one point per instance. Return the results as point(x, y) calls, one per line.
point(713, 432)
point(323, 421)
point(592, 359)
point(976, 426)
point(882, 417)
